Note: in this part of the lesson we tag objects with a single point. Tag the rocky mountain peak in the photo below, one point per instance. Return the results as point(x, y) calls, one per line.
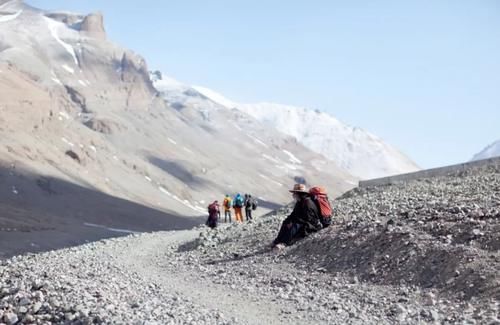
point(132, 64)
point(93, 26)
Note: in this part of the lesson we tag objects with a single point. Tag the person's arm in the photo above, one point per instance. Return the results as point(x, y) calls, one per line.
point(305, 212)
point(312, 214)
point(294, 216)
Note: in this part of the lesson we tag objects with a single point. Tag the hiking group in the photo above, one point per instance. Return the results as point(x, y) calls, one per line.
point(238, 203)
point(311, 212)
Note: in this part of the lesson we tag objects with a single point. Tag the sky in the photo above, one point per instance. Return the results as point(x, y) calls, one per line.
point(424, 75)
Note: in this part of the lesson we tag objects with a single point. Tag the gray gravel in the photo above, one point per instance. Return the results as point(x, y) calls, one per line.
point(422, 252)
point(87, 284)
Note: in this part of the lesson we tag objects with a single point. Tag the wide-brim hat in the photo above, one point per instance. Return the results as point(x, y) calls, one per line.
point(299, 188)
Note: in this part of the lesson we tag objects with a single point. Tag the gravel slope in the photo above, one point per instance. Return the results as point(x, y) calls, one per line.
point(422, 252)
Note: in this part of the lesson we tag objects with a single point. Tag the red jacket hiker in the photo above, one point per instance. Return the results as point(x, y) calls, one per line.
point(213, 214)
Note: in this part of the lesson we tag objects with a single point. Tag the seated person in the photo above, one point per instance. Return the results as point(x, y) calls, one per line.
point(303, 220)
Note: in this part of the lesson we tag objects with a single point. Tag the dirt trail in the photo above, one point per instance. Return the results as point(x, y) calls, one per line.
point(234, 304)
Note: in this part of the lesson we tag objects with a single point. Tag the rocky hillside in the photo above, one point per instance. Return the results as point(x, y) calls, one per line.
point(90, 148)
point(422, 252)
point(493, 150)
point(353, 149)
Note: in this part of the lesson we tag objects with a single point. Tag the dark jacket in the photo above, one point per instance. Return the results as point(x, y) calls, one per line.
point(306, 214)
point(248, 203)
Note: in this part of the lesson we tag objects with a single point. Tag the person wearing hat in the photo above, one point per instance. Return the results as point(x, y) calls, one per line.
point(303, 220)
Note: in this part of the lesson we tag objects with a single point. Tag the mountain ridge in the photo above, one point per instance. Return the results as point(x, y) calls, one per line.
point(490, 151)
point(353, 149)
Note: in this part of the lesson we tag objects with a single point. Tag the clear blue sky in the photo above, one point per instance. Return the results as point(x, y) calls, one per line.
point(424, 74)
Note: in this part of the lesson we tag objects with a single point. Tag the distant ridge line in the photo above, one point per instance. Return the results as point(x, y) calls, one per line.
point(428, 173)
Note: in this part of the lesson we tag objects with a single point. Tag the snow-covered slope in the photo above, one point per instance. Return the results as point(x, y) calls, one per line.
point(493, 150)
point(354, 149)
point(179, 95)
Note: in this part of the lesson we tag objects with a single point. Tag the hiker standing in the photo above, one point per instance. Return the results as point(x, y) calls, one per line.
point(227, 204)
point(213, 213)
point(238, 203)
point(303, 220)
point(248, 206)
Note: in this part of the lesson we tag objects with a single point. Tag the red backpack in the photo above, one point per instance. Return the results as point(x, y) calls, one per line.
point(320, 197)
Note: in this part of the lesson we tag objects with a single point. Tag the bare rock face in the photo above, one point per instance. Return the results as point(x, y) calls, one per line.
point(93, 26)
point(132, 64)
point(134, 70)
point(103, 126)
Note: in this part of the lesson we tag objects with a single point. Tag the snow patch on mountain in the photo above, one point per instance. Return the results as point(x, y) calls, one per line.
point(257, 140)
point(70, 70)
point(293, 159)
point(357, 151)
point(179, 95)
point(57, 81)
point(493, 150)
point(270, 158)
point(218, 98)
point(6, 18)
point(53, 26)
point(166, 84)
point(271, 180)
point(126, 231)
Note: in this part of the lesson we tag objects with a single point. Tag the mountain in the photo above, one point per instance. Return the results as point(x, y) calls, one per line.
point(353, 149)
point(93, 145)
point(493, 150)
point(278, 155)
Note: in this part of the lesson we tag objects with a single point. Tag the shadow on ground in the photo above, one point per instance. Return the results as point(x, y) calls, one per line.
point(269, 205)
point(178, 171)
point(39, 213)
